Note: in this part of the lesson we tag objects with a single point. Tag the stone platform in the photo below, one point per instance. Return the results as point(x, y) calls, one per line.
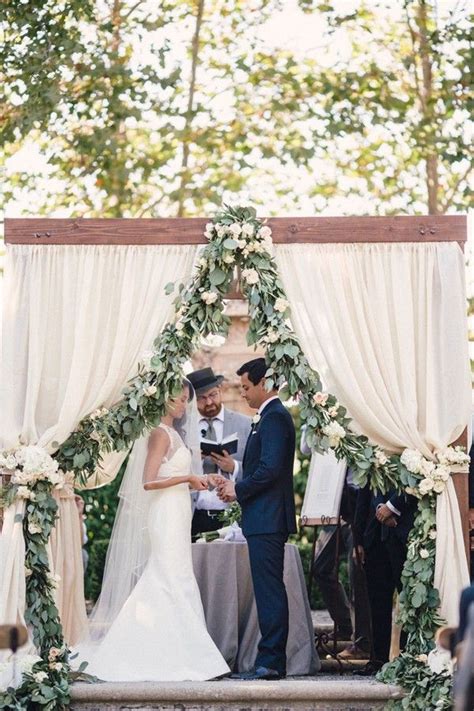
point(320, 693)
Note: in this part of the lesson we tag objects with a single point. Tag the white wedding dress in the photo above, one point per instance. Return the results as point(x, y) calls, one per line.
point(160, 633)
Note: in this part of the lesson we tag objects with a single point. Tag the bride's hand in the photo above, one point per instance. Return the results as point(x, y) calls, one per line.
point(198, 483)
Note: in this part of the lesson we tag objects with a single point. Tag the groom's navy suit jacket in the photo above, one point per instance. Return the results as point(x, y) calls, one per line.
point(265, 492)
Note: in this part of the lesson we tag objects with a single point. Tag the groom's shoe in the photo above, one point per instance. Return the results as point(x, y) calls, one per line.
point(259, 674)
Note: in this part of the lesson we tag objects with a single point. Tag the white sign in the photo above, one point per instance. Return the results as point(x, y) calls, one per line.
point(322, 499)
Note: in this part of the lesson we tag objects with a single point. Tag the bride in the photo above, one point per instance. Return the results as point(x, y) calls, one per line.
point(148, 624)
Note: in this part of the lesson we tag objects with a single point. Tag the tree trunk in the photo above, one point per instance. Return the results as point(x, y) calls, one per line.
point(426, 94)
point(190, 108)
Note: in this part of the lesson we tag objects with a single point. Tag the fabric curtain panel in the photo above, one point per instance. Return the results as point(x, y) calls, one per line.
point(385, 325)
point(76, 320)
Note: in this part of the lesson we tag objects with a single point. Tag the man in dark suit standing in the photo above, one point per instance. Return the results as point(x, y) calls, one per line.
point(382, 524)
point(266, 496)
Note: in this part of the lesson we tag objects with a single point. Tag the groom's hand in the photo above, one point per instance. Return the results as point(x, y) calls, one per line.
point(226, 491)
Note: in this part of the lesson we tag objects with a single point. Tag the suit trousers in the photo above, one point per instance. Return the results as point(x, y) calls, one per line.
point(325, 574)
point(266, 553)
point(383, 567)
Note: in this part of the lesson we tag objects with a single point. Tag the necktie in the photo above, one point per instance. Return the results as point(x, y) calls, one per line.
point(209, 467)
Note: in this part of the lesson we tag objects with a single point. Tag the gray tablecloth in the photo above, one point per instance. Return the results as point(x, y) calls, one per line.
point(222, 571)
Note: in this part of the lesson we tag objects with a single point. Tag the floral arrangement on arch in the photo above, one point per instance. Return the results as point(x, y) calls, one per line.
point(238, 242)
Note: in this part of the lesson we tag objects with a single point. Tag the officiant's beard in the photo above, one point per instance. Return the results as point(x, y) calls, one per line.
point(210, 409)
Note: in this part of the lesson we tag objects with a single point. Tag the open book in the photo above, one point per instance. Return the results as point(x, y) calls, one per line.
point(229, 443)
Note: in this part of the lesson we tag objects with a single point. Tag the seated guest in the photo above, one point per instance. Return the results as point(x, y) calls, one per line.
point(216, 423)
point(382, 524)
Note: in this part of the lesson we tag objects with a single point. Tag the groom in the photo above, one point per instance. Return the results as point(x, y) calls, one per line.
point(265, 494)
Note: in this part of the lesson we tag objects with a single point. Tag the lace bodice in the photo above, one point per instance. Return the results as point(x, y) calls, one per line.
point(177, 461)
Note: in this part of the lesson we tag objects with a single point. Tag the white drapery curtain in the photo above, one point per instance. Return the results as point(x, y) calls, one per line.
point(385, 326)
point(76, 321)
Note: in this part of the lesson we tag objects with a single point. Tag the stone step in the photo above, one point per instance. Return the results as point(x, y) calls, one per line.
point(298, 693)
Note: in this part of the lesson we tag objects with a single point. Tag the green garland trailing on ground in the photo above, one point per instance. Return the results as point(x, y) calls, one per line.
point(237, 240)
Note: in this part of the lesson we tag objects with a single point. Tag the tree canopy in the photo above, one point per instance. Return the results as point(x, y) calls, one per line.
point(138, 108)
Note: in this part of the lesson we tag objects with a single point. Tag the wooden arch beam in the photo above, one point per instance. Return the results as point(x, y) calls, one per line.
point(143, 231)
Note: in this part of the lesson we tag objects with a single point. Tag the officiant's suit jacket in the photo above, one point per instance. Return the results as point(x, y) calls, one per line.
point(265, 492)
point(236, 422)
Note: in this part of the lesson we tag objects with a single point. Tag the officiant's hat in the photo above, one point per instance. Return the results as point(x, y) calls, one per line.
point(204, 379)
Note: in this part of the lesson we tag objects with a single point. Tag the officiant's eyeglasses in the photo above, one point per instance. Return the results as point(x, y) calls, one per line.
point(211, 395)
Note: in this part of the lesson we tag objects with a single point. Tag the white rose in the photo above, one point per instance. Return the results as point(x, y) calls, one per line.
point(441, 472)
point(24, 493)
point(221, 230)
point(256, 419)
point(241, 243)
point(7, 461)
point(150, 390)
point(332, 411)
point(427, 467)
point(209, 297)
point(320, 398)
point(245, 251)
point(54, 580)
point(452, 455)
point(423, 658)
point(34, 528)
point(380, 457)
point(424, 553)
point(264, 232)
point(425, 486)
point(56, 666)
point(145, 359)
point(439, 486)
point(412, 459)
point(57, 479)
point(273, 336)
point(40, 676)
point(104, 412)
point(334, 432)
point(432, 534)
point(247, 229)
point(250, 276)
point(235, 229)
point(281, 305)
point(20, 477)
point(228, 259)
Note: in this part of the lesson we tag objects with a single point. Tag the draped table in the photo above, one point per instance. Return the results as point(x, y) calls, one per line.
point(222, 571)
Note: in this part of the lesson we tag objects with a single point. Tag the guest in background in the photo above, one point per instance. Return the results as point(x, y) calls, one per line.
point(382, 524)
point(216, 423)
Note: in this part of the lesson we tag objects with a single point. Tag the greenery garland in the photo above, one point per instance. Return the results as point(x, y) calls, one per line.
point(237, 240)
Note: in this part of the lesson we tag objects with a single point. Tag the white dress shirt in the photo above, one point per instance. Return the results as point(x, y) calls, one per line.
point(208, 500)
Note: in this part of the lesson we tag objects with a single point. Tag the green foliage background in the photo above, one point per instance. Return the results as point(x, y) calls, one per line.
point(146, 109)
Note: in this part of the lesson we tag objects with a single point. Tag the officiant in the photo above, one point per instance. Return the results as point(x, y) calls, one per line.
point(217, 422)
